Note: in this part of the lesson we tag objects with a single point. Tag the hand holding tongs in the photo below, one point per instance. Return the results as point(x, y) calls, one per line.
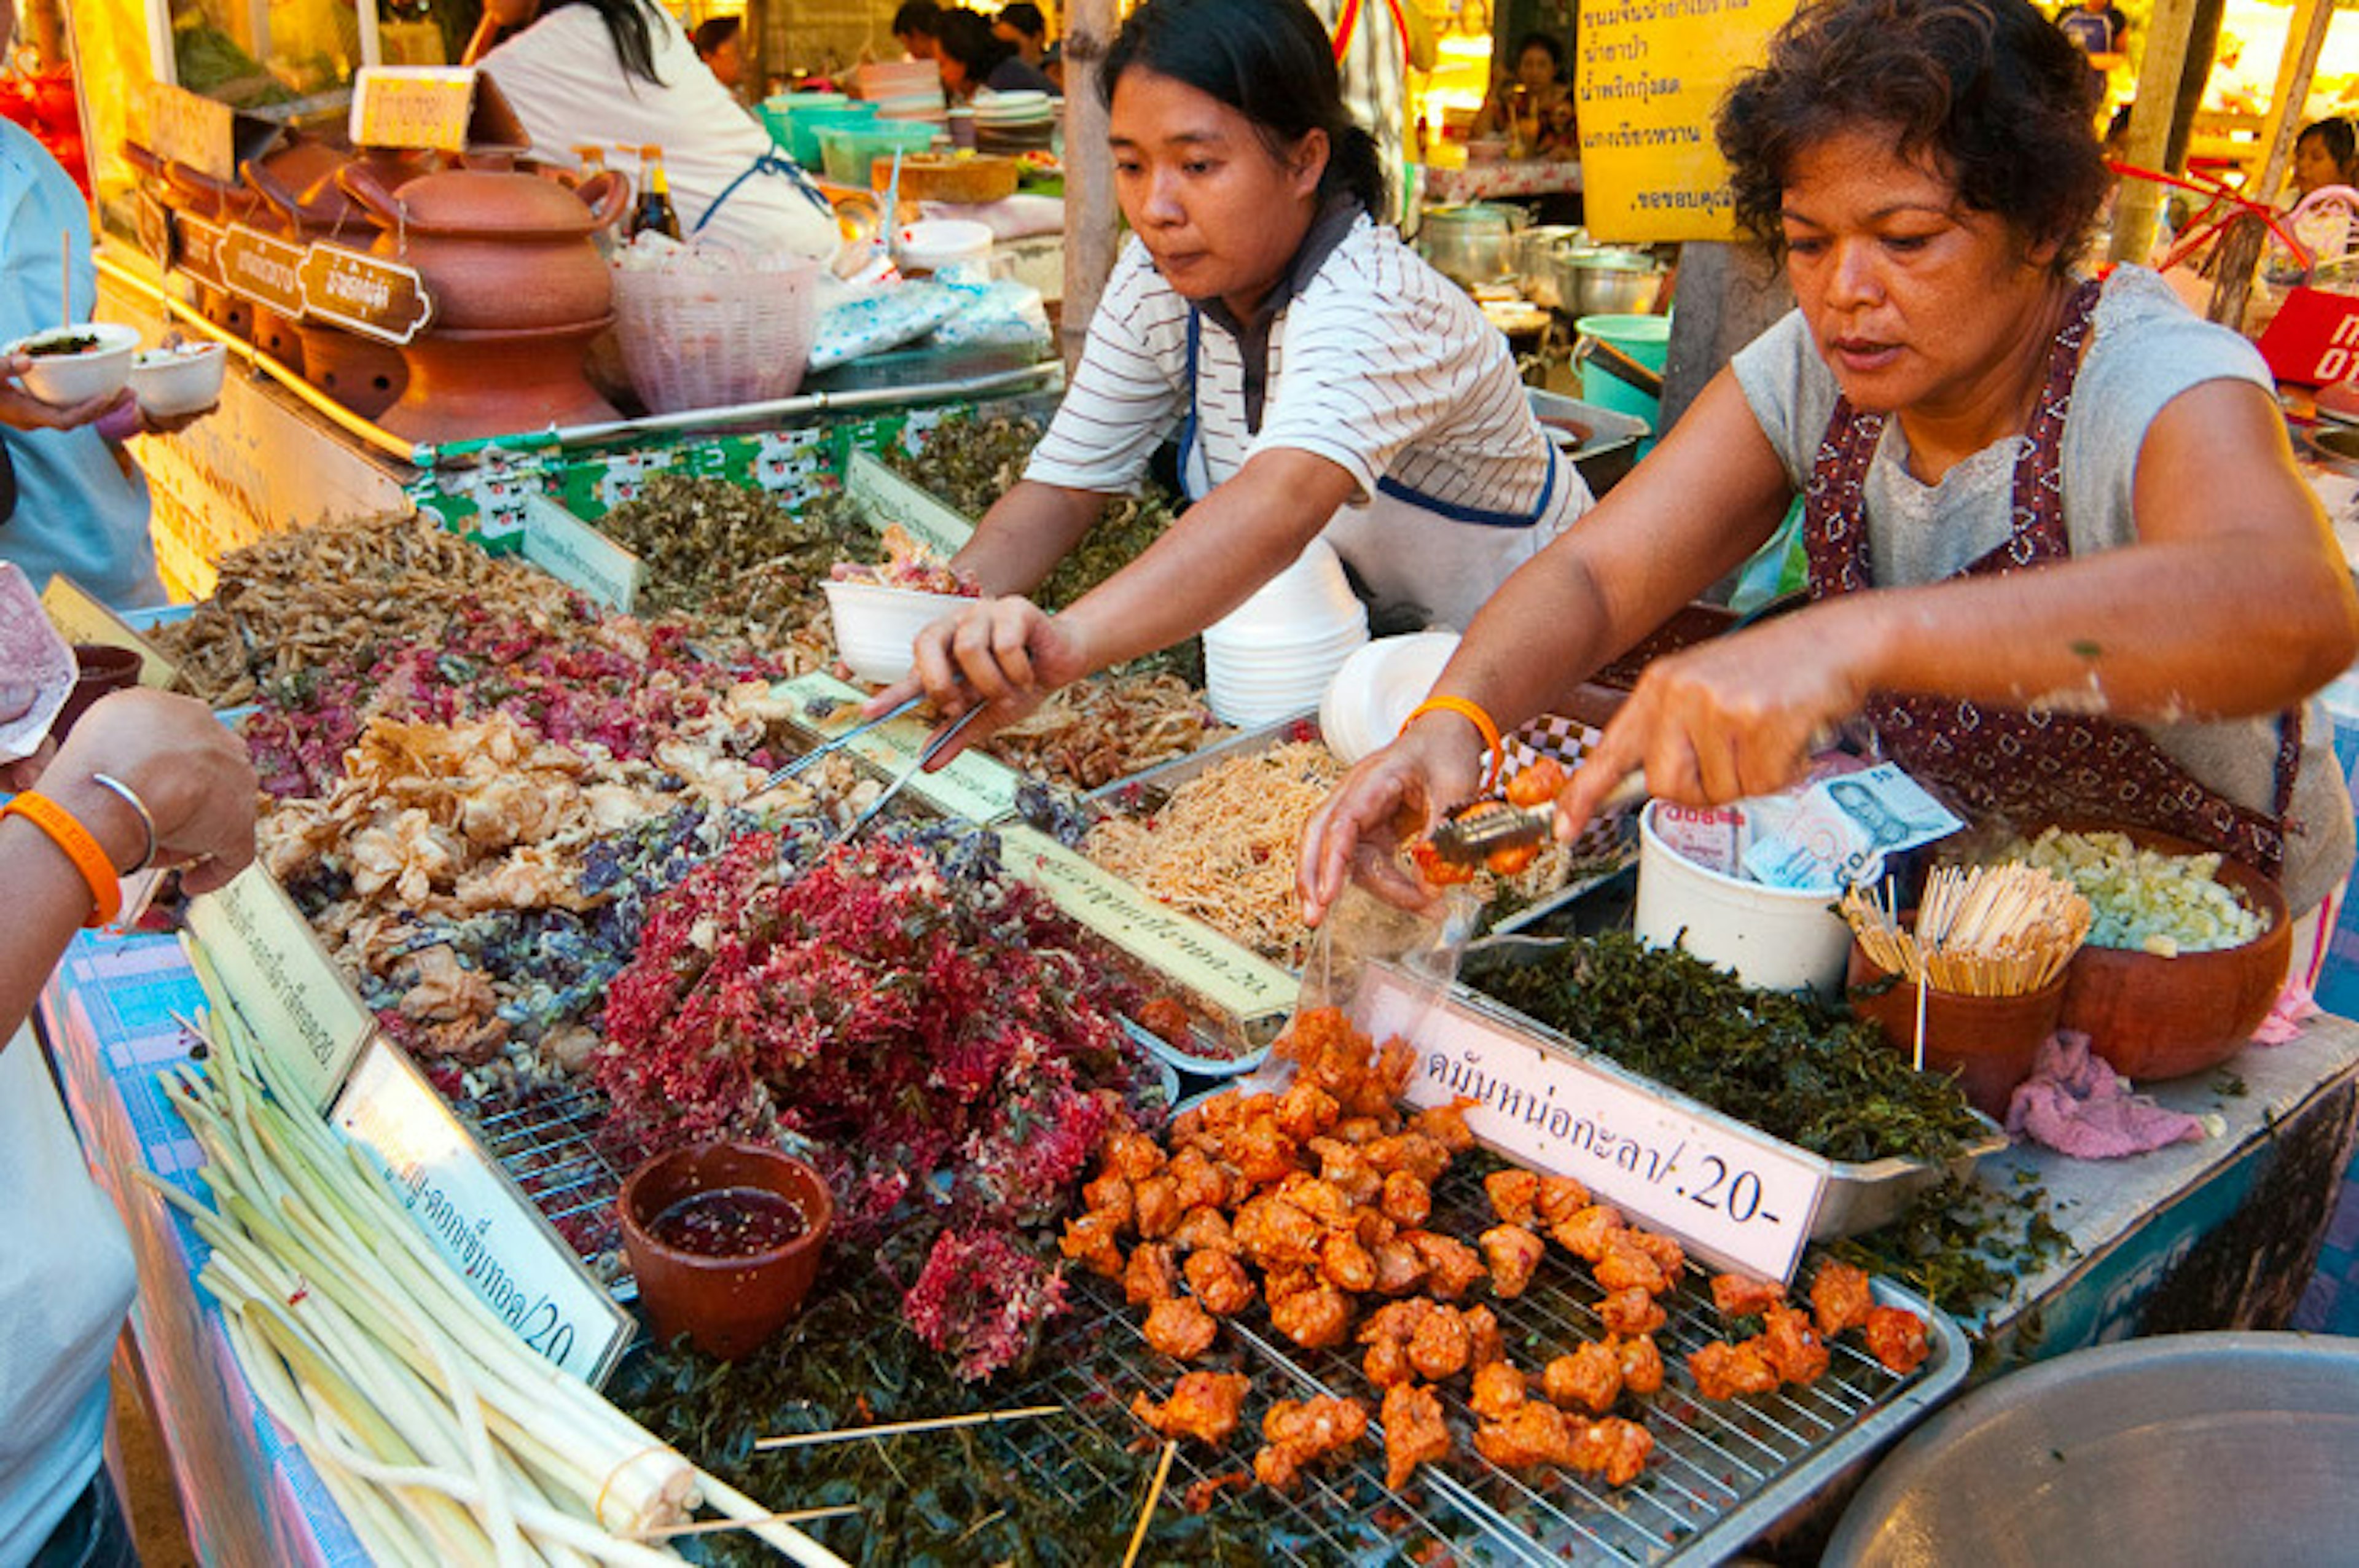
point(1469, 835)
point(782, 775)
point(933, 749)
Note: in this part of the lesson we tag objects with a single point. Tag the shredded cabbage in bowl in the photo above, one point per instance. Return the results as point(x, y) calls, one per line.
point(2144, 899)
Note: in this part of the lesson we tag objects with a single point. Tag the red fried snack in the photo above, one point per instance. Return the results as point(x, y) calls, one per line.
point(1203, 1405)
point(1414, 1432)
point(1181, 1327)
point(1839, 1297)
point(1741, 1295)
point(1896, 1338)
point(1722, 1372)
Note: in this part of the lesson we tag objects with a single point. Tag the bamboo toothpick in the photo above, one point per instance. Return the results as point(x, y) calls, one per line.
point(719, 1526)
point(892, 1429)
point(1154, 1495)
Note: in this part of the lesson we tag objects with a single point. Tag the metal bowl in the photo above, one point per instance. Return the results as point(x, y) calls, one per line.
point(1534, 254)
point(2199, 1448)
point(1591, 282)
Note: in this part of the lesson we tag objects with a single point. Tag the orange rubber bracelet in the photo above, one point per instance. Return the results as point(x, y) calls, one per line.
point(1473, 712)
point(79, 848)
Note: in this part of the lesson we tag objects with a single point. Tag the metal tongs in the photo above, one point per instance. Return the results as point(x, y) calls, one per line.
point(782, 775)
point(1468, 835)
point(933, 749)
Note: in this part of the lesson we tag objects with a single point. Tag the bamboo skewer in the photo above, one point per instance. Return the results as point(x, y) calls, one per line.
point(1154, 1495)
point(717, 1526)
point(1983, 931)
point(892, 1429)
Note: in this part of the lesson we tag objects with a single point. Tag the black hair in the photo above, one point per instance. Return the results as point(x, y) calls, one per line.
point(1025, 18)
point(1991, 90)
point(714, 31)
point(1537, 39)
point(2336, 135)
point(917, 17)
point(1268, 60)
point(966, 37)
point(631, 25)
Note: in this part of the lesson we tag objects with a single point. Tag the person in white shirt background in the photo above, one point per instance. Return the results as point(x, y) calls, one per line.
point(1321, 378)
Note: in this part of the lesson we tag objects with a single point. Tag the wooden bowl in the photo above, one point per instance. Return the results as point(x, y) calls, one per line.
point(2164, 1018)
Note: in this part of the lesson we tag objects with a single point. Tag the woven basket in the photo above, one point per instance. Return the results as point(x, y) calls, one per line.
point(693, 337)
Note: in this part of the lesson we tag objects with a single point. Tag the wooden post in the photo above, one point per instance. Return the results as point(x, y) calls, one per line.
point(2139, 201)
point(1091, 230)
point(2231, 282)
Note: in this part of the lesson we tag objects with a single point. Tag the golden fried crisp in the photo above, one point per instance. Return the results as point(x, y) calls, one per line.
point(1203, 1405)
point(1722, 1372)
point(1323, 1201)
point(1406, 1200)
point(1441, 1348)
point(1641, 1364)
point(1220, 1281)
point(1372, 1226)
point(1792, 1345)
point(1741, 1295)
point(1625, 1266)
point(1513, 1194)
point(1315, 1319)
point(1396, 1320)
point(1589, 1232)
point(1498, 1390)
point(1589, 1380)
point(1360, 1131)
point(1277, 1284)
point(1204, 1229)
point(1346, 1264)
point(1344, 1167)
point(1484, 1343)
point(1276, 1235)
point(1133, 1155)
point(1632, 1310)
point(1156, 1207)
point(1528, 1436)
point(1667, 1254)
point(1451, 1266)
point(1152, 1274)
point(1305, 1111)
point(1181, 1328)
point(1446, 1125)
point(1560, 1198)
point(1513, 1253)
point(1839, 1297)
point(1300, 1433)
point(1260, 1150)
point(1109, 1194)
point(1197, 1181)
point(1094, 1241)
point(1421, 1154)
point(1614, 1448)
point(1896, 1338)
point(1399, 1269)
point(1386, 1362)
point(1415, 1432)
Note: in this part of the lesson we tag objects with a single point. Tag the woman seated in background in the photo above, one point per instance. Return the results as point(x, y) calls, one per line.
point(622, 73)
point(721, 44)
point(2060, 559)
point(972, 57)
point(2326, 153)
point(1546, 109)
point(1022, 25)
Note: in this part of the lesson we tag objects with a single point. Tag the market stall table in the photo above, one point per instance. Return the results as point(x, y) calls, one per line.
point(2198, 1236)
point(1491, 181)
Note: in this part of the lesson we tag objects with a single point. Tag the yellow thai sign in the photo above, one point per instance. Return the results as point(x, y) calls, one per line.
point(1650, 75)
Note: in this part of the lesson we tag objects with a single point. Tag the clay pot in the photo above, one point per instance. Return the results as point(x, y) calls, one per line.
point(2158, 1018)
point(365, 374)
point(498, 251)
point(98, 670)
point(1990, 1044)
point(727, 1306)
point(463, 386)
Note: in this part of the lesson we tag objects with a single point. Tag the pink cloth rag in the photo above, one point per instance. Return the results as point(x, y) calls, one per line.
point(2294, 1006)
point(2076, 1103)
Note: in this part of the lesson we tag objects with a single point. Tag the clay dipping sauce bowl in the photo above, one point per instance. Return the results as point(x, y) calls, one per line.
point(98, 670)
point(2155, 1018)
point(1990, 1044)
point(727, 1306)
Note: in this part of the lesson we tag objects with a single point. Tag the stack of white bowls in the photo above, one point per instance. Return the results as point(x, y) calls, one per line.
point(1272, 656)
point(1378, 688)
point(905, 90)
point(1011, 122)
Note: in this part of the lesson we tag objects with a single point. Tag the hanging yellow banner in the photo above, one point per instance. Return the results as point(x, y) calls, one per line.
point(1651, 74)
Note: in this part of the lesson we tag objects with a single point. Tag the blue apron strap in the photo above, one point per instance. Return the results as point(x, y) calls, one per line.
point(1187, 425)
point(769, 163)
point(1475, 514)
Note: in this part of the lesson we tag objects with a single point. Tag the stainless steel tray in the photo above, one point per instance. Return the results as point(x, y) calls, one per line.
point(1860, 1196)
point(1722, 1472)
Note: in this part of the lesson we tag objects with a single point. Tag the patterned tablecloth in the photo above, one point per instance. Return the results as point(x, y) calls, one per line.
point(1484, 181)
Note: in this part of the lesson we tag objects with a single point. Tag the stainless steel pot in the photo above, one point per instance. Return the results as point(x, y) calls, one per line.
point(1535, 252)
point(1472, 244)
point(1599, 282)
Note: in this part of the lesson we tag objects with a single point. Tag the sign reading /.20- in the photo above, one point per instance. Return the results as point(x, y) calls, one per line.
point(359, 292)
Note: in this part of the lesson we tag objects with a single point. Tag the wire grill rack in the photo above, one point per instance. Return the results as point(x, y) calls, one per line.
point(1721, 1472)
point(544, 1137)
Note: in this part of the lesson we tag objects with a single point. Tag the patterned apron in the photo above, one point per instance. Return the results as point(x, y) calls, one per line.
point(2024, 766)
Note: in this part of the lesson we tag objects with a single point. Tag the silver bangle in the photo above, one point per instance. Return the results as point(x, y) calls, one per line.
point(130, 798)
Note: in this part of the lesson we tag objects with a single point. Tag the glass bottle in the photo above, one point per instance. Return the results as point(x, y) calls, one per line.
point(655, 209)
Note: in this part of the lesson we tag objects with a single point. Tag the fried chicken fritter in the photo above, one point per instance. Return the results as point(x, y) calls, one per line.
point(1614, 1448)
point(1386, 1362)
point(1094, 1241)
point(1589, 1231)
point(1300, 1433)
point(1181, 1328)
point(1414, 1432)
point(1198, 1181)
point(1446, 1125)
point(1451, 1265)
point(1512, 1195)
point(1513, 1253)
point(1156, 1204)
point(1631, 1311)
point(1741, 1295)
point(1531, 1434)
point(1203, 1405)
point(1667, 1254)
point(1590, 1379)
point(1498, 1390)
point(1399, 1269)
point(1306, 1110)
point(1560, 1198)
point(1220, 1281)
point(1896, 1338)
point(1421, 1154)
point(1274, 1234)
point(1406, 1200)
point(1108, 1194)
point(1792, 1345)
point(1346, 1169)
point(1641, 1364)
point(1840, 1297)
point(1132, 1155)
point(1441, 1348)
point(1484, 1343)
point(1315, 1319)
point(1723, 1370)
point(1625, 1266)
point(1151, 1275)
point(1346, 1263)
point(1204, 1229)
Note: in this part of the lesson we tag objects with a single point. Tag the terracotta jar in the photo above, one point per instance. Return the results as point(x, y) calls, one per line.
point(731, 1299)
point(365, 374)
point(498, 251)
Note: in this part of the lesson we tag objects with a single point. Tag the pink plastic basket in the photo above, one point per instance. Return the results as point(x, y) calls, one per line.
point(710, 331)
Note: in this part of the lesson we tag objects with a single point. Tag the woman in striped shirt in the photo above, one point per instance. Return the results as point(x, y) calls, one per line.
point(1320, 379)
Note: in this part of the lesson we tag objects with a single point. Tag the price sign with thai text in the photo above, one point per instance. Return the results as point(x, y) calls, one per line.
point(472, 1215)
point(265, 269)
point(579, 555)
point(288, 991)
point(413, 106)
point(1650, 77)
point(363, 294)
point(188, 128)
point(1735, 1196)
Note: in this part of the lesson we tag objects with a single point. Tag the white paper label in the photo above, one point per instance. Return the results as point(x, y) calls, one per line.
point(289, 992)
point(579, 555)
point(971, 787)
point(478, 1219)
point(886, 498)
point(1742, 1200)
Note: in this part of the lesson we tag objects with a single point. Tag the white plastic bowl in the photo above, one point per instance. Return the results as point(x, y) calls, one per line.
point(932, 244)
point(186, 379)
point(1377, 688)
point(1775, 938)
point(63, 380)
point(876, 625)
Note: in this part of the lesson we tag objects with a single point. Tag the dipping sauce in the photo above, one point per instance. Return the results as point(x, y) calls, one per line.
point(729, 1222)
